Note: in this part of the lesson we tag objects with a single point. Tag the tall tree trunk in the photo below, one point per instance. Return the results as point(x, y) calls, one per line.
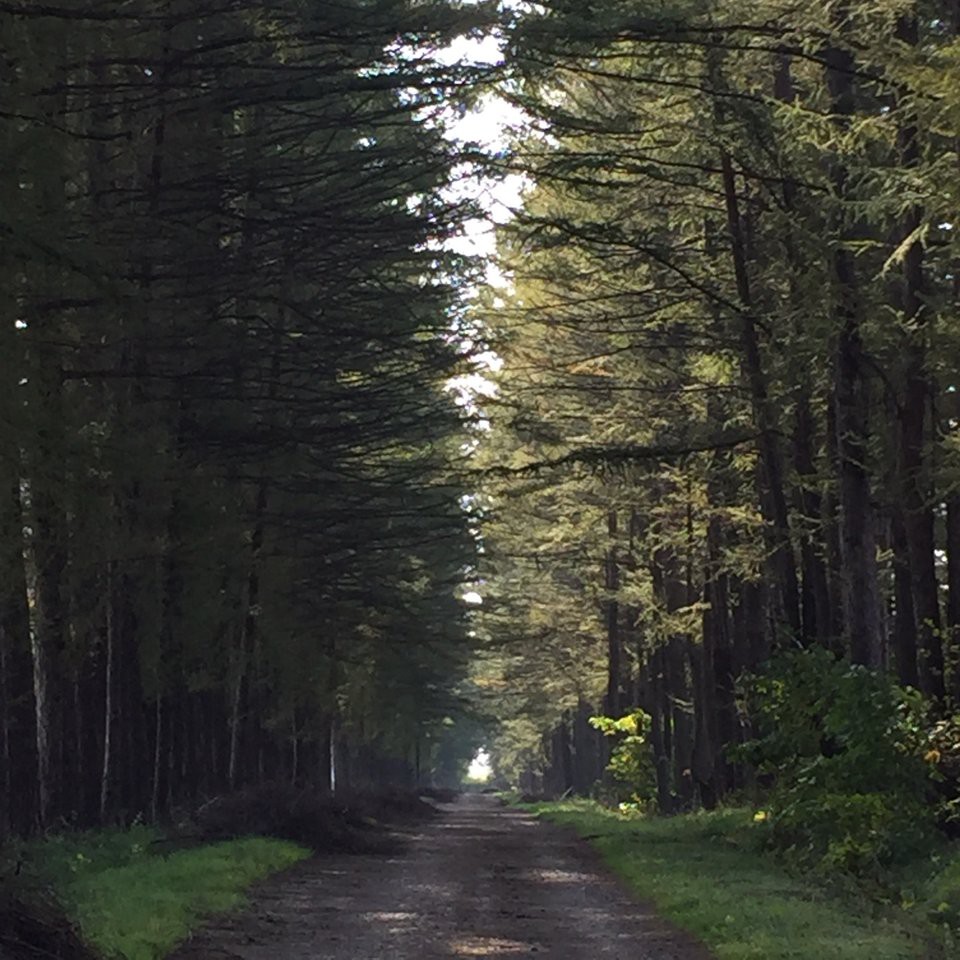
point(109, 644)
point(41, 658)
point(612, 706)
point(815, 616)
point(158, 718)
point(18, 736)
point(851, 401)
point(658, 732)
point(953, 597)
point(817, 622)
point(916, 496)
point(784, 561)
point(706, 766)
point(904, 624)
point(238, 668)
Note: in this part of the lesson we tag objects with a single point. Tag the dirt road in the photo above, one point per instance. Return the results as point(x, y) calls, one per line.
point(480, 881)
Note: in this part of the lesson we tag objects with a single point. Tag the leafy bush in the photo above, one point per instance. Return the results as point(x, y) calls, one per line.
point(942, 750)
point(632, 776)
point(941, 898)
point(850, 759)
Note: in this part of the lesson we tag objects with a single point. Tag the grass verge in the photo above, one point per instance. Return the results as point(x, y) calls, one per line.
point(708, 874)
point(132, 901)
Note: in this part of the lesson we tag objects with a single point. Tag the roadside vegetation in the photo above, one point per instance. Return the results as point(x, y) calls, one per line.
point(134, 893)
point(711, 874)
point(132, 896)
point(848, 847)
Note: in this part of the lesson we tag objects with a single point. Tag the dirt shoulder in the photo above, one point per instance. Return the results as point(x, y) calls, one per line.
point(481, 881)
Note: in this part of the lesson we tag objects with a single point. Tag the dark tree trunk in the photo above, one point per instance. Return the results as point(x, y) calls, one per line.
point(914, 473)
point(17, 711)
point(904, 623)
point(817, 620)
point(709, 684)
point(659, 720)
point(851, 401)
point(953, 597)
point(612, 705)
point(109, 640)
point(677, 655)
point(774, 495)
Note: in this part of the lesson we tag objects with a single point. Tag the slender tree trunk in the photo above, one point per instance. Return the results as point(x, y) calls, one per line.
point(914, 470)
point(817, 622)
point(771, 454)
point(614, 643)
point(904, 629)
point(830, 519)
point(237, 673)
point(564, 755)
point(678, 658)
point(40, 657)
point(658, 734)
point(705, 767)
point(294, 751)
point(953, 597)
point(110, 644)
point(157, 758)
point(6, 755)
point(17, 750)
point(851, 400)
point(814, 601)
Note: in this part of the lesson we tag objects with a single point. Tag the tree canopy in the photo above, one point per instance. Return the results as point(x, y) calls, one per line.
point(246, 488)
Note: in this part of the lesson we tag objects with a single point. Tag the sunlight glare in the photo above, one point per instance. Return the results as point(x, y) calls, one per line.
point(480, 768)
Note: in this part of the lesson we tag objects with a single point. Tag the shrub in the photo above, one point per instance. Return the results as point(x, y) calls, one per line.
point(847, 749)
point(942, 751)
point(632, 779)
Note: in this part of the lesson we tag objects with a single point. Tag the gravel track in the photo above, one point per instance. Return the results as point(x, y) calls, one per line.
point(479, 881)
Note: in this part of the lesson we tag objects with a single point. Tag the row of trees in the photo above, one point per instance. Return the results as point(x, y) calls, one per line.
point(726, 423)
point(231, 533)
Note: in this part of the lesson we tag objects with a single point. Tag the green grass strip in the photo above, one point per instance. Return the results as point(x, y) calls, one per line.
point(706, 873)
point(134, 902)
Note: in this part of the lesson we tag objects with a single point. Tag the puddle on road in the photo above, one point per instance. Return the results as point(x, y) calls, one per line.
point(557, 876)
point(487, 947)
point(398, 921)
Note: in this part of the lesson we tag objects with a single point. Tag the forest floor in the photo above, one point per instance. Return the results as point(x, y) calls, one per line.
point(479, 881)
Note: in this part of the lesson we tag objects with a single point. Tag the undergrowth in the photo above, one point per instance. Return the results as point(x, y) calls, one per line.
point(133, 899)
point(710, 874)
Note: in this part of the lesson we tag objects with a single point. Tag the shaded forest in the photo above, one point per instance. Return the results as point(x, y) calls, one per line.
point(232, 536)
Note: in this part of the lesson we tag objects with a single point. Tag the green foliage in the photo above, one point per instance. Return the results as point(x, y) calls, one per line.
point(845, 746)
point(941, 897)
point(631, 761)
point(66, 859)
point(708, 873)
point(942, 750)
point(132, 902)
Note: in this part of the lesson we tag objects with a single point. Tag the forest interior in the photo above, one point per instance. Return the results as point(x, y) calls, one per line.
point(620, 445)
